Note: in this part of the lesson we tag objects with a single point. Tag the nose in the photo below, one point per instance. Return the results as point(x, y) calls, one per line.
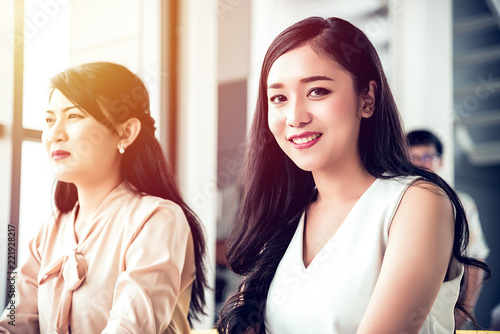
point(57, 132)
point(298, 115)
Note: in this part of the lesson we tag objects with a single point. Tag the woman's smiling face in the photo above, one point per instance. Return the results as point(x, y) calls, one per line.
point(314, 111)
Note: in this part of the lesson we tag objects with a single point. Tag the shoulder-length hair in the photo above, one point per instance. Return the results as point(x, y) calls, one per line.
point(112, 94)
point(274, 191)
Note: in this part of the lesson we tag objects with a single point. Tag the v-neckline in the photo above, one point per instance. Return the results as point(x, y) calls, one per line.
point(78, 242)
point(340, 229)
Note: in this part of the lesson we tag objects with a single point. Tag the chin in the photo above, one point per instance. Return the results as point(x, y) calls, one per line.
point(64, 179)
point(64, 176)
point(308, 167)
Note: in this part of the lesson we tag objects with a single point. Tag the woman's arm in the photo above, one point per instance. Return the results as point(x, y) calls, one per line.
point(415, 262)
point(474, 285)
point(146, 293)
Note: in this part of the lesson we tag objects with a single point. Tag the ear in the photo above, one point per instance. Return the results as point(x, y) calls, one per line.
point(128, 132)
point(368, 100)
point(440, 162)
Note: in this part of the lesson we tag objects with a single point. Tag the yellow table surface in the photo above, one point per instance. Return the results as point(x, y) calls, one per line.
point(213, 331)
point(476, 331)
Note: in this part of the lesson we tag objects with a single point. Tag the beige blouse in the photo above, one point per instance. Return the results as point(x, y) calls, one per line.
point(132, 272)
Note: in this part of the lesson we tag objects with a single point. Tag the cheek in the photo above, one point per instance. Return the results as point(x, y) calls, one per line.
point(103, 144)
point(90, 143)
point(341, 111)
point(96, 135)
point(45, 141)
point(276, 124)
point(277, 128)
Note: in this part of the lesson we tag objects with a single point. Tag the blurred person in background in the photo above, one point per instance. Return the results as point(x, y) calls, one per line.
point(426, 151)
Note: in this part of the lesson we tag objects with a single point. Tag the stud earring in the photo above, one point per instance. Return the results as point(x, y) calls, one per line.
point(121, 149)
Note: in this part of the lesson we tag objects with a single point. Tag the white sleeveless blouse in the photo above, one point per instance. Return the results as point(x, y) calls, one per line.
point(332, 293)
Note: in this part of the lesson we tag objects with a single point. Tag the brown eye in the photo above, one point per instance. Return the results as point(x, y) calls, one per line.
point(276, 99)
point(318, 92)
point(73, 116)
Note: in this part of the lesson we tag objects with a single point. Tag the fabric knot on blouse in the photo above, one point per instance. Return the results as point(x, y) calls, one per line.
point(70, 270)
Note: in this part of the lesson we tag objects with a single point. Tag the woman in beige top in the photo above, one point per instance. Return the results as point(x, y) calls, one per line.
point(122, 253)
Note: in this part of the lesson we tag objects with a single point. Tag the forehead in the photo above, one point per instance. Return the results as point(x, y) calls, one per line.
point(304, 62)
point(58, 100)
point(423, 149)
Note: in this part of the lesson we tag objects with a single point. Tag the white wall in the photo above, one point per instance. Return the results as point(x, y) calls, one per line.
point(105, 30)
point(234, 35)
point(6, 109)
point(421, 56)
point(126, 32)
point(197, 148)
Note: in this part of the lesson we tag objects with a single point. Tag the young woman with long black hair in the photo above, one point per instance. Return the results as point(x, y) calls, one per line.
point(337, 231)
point(122, 252)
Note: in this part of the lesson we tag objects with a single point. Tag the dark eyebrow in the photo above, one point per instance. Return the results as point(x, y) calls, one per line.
point(276, 86)
point(64, 110)
point(315, 78)
point(304, 80)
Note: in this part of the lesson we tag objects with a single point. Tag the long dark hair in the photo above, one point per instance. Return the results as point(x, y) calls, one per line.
point(112, 94)
point(274, 191)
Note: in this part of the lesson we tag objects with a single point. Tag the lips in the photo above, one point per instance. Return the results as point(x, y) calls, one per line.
point(305, 139)
point(60, 154)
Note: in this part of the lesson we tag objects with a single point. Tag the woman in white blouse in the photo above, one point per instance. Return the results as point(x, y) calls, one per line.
point(337, 231)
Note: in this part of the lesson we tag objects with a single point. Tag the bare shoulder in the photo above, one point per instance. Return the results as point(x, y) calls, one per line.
point(425, 203)
point(421, 194)
point(423, 187)
point(418, 253)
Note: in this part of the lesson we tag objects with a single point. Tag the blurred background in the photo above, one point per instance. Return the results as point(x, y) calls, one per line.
point(200, 60)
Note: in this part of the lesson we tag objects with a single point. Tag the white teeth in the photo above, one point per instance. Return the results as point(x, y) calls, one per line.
point(303, 140)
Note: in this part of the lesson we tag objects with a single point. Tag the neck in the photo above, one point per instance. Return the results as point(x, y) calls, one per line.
point(90, 196)
point(343, 183)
